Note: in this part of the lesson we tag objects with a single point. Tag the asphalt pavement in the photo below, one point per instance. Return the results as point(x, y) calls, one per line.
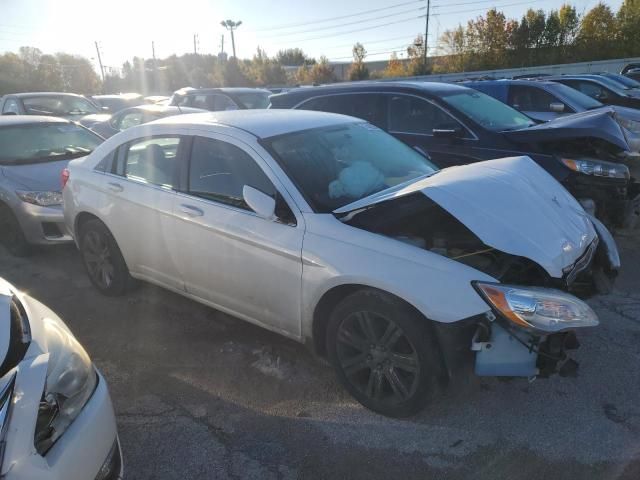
point(201, 395)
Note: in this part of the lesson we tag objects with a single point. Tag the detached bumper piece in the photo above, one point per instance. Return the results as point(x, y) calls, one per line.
point(507, 353)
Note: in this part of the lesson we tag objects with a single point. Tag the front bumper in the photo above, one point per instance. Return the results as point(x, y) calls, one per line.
point(80, 453)
point(42, 225)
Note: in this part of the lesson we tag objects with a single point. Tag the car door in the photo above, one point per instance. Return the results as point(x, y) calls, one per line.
point(421, 123)
point(536, 102)
point(139, 206)
point(229, 256)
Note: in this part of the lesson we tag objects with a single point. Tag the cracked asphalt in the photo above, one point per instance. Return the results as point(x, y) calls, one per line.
point(200, 395)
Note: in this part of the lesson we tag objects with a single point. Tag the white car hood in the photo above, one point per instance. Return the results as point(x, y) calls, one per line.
point(511, 204)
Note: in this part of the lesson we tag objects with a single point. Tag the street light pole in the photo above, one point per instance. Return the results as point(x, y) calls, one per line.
point(231, 26)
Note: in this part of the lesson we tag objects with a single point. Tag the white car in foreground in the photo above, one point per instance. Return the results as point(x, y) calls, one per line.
point(56, 417)
point(325, 229)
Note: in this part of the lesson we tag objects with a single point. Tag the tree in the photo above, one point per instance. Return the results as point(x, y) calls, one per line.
point(395, 67)
point(266, 71)
point(415, 52)
point(358, 70)
point(321, 72)
point(628, 20)
point(451, 49)
point(293, 57)
point(598, 31)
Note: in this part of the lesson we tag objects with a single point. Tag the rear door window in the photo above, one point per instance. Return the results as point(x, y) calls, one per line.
point(408, 114)
point(531, 99)
point(367, 106)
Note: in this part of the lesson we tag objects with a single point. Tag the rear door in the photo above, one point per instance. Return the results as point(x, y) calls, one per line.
point(139, 208)
point(229, 256)
point(536, 102)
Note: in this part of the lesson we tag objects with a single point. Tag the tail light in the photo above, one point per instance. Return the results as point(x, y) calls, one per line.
point(64, 177)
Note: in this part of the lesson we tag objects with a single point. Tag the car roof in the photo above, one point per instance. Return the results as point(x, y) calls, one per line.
point(13, 120)
point(123, 96)
point(155, 108)
point(509, 81)
point(44, 94)
point(261, 123)
point(431, 87)
point(231, 90)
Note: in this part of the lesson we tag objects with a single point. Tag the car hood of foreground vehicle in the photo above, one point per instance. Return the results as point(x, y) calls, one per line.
point(511, 204)
point(600, 123)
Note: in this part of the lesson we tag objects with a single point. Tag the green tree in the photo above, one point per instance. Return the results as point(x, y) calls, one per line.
point(266, 71)
point(394, 68)
point(415, 52)
point(452, 49)
point(321, 72)
point(598, 31)
point(628, 20)
point(358, 70)
point(293, 57)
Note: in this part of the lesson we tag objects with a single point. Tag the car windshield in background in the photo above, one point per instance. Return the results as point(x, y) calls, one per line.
point(116, 104)
point(58, 105)
point(576, 97)
point(338, 165)
point(253, 99)
point(23, 144)
point(488, 112)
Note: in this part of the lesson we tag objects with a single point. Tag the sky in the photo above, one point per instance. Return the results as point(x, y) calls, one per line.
point(128, 28)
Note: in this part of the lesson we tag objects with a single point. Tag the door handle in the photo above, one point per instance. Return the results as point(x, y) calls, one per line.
point(115, 187)
point(191, 210)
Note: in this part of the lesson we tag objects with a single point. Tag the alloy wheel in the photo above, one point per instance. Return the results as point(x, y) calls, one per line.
point(98, 259)
point(377, 357)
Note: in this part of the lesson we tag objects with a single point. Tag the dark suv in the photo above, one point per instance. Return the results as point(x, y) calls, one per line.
point(457, 125)
point(220, 99)
point(604, 89)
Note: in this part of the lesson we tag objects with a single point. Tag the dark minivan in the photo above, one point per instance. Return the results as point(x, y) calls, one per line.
point(457, 125)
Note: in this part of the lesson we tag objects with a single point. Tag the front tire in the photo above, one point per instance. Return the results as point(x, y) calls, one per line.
point(382, 352)
point(102, 259)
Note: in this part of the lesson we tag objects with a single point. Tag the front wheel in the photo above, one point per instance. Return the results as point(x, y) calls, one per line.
point(102, 259)
point(382, 352)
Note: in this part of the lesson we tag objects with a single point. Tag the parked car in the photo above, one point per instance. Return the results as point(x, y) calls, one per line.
point(544, 101)
point(623, 79)
point(220, 99)
point(115, 103)
point(56, 417)
point(130, 117)
point(457, 125)
point(603, 89)
point(157, 99)
point(65, 105)
point(33, 153)
point(632, 70)
point(327, 230)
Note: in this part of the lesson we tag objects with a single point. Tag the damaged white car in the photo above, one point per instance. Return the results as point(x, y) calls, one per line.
point(56, 417)
point(327, 230)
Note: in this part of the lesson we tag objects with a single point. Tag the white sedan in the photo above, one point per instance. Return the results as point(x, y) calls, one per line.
point(56, 417)
point(327, 230)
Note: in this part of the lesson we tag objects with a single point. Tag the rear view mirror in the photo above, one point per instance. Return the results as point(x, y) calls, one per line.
point(557, 107)
point(259, 202)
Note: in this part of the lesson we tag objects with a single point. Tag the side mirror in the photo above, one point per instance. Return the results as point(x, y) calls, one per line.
point(104, 109)
point(259, 202)
point(557, 107)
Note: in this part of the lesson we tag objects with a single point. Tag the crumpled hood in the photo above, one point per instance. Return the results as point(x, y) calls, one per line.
point(44, 176)
point(511, 204)
point(599, 123)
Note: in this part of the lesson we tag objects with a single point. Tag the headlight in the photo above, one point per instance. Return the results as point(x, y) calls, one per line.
point(44, 199)
point(71, 380)
point(598, 168)
point(631, 125)
point(538, 309)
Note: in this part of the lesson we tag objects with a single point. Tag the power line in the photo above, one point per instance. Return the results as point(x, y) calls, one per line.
point(311, 22)
point(401, 47)
point(482, 9)
point(367, 42)
point(371, 27)
point(355, 22)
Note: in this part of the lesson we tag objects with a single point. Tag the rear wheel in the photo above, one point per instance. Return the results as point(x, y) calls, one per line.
point(102, 259)
point(11, 234)
point(382, 353)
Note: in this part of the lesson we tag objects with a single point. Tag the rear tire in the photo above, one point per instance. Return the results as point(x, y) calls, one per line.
point(11, 234)
point(103, 260)
point(383, 353)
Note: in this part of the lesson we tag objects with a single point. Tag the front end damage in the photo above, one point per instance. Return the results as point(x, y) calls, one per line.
point(568, 252)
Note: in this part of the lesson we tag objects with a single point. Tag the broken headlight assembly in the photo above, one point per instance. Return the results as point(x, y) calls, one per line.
point(71, 380)
point(597, 168)
point(538, 310)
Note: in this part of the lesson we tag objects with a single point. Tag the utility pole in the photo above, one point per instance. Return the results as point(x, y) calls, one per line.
point(222, 43)
point(100, 61)
point(231, 26)
point(426, 34)
point(195, 43)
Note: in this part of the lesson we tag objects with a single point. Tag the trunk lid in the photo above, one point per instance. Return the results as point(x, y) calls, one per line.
point(511, 204)
point(42, 176)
